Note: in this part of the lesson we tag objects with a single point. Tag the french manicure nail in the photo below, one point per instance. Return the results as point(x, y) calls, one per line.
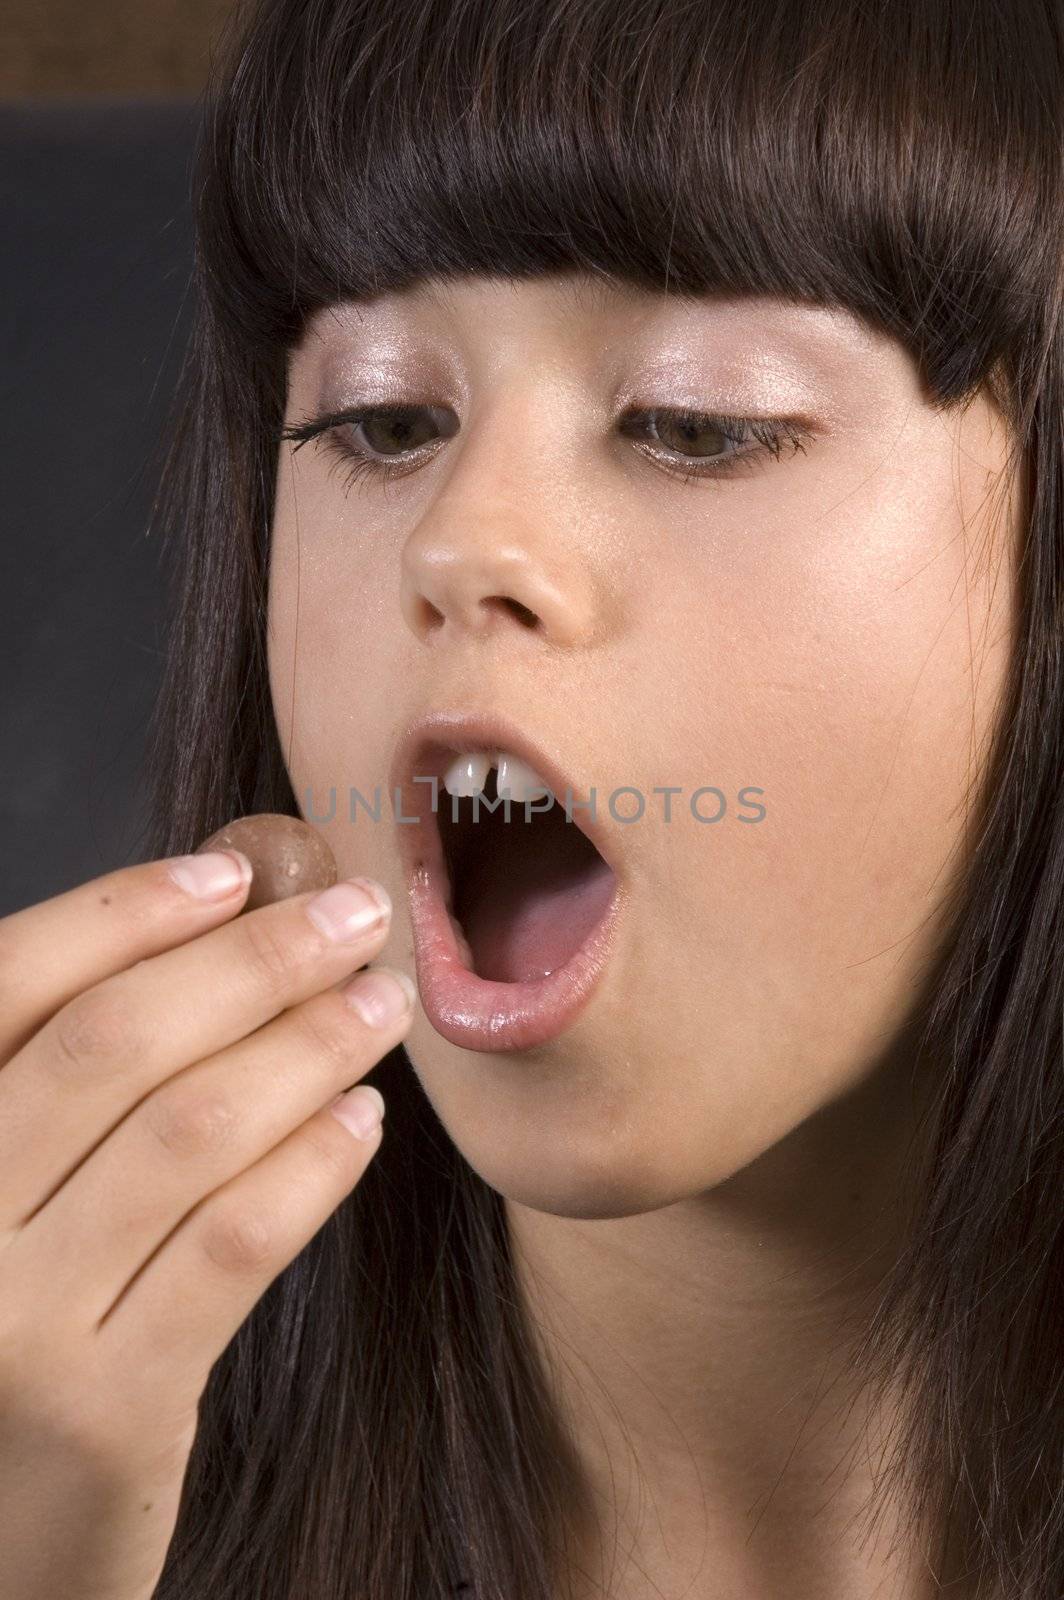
point(380, 996)
point(360, 1110)
point(350, 909)
point(212, 876)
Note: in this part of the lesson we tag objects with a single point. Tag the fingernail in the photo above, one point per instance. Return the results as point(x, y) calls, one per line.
point(349, 910)
point(360, 1110)
point(213, 875)
point(380, 996)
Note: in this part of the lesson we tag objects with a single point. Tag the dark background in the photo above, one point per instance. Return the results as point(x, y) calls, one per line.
point(99, 103)
point(94, 271)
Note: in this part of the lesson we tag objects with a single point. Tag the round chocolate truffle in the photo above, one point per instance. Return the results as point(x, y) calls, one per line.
point(287, 855)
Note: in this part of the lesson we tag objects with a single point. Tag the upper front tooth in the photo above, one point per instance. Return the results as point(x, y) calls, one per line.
point(469, 773)
point(518, 779)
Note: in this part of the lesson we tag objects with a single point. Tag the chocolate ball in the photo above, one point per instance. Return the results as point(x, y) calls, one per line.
point(287, 855)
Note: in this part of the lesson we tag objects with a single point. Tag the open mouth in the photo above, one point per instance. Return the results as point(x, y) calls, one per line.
point(514, 908)
point(525, 893)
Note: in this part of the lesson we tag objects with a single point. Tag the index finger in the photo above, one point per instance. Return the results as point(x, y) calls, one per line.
point(51, 951)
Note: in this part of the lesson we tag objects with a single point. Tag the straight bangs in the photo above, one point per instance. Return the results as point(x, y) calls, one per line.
point(870, 156)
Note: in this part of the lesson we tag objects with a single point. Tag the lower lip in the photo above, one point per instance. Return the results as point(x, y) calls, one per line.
point(478, 1014)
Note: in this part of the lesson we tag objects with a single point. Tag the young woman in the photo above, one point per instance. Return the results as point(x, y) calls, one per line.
point(667, 399)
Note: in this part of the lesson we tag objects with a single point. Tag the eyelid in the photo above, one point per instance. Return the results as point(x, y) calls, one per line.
point(771, 433)
point(312, 426)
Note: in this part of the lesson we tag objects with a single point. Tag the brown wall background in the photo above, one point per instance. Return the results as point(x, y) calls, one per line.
point(75, 49)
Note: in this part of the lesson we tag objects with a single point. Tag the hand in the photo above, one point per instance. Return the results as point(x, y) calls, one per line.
point(167, 1147)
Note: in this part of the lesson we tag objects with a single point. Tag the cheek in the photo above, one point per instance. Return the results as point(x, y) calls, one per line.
point(331, 658)
point(852, 670)
point(329, 617)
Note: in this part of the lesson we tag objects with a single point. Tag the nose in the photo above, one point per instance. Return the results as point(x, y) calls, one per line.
point(489, 569)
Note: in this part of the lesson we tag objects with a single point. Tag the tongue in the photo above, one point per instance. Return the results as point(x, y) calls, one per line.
point(527, 904)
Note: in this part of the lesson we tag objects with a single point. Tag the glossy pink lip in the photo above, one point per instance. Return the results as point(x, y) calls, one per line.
point(473, 1012)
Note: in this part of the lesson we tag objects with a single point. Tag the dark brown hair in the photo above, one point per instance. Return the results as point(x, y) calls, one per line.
point(380, 1425)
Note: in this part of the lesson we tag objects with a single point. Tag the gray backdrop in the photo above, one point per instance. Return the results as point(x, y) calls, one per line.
point(97, 249)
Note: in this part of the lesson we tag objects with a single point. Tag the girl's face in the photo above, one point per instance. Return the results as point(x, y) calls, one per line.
point(817, 630)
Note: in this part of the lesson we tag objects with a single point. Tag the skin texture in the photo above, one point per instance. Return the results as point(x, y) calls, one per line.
point(169, 1063)
point(704, 1173)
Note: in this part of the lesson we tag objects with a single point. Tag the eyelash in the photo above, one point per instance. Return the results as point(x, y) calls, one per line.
point(772, 435)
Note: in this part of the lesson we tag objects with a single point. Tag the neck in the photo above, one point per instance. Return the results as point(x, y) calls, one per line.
point(699, 1355)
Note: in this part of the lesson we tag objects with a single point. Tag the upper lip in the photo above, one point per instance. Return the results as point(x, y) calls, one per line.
point(432, 741)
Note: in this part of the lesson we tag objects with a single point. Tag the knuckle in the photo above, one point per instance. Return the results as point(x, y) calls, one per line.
point(147, 897)
point(191, 1122)
point(270, 954)
point(79, 1421)
point(69, 1414)
point(95, 1438)
point(328, 1146)
point(324, 1026)
point(239, 1239)
point(94, 1028)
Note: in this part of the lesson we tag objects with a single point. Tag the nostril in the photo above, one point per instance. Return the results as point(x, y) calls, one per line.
point(524, 615)
point(431, 616)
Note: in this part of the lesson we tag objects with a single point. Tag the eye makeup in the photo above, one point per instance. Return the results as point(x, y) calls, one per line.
point(668, 436)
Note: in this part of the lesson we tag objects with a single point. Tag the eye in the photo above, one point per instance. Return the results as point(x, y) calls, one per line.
point(702, 444)
point(393, 437)
point(391, 440)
